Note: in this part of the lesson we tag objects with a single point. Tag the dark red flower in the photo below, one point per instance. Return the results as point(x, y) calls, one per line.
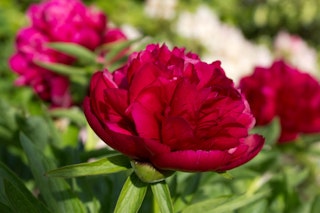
point(172, 110)
point(285, 92)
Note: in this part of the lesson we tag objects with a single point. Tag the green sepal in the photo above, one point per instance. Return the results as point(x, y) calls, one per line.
point(147, 173)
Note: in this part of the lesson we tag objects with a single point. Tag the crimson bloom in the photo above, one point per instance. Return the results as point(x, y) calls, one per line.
point(170, 109)
point(285, 92)
point(57, 21)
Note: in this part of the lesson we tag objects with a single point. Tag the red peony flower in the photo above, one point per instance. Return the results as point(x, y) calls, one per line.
point(57, 21)
point(284, 91)
point(172, 110)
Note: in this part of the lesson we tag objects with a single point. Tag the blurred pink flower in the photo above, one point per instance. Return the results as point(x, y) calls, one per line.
point(57, 21)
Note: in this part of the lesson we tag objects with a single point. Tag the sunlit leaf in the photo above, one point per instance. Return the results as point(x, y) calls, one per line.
point(132, 195)
point(162, 195)
point(103, 166)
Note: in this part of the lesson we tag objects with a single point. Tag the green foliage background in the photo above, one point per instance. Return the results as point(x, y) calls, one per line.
point(279, 179)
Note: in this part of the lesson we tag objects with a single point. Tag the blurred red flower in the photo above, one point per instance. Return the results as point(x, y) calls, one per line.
point(285, 92)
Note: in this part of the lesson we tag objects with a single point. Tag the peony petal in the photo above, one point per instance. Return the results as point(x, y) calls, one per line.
point(191, 161)
point(249, 148)
point(145, 121)
point(177, 133)
point(187, 107)
point(131, 146)
point(219, 142)
point(141, 79)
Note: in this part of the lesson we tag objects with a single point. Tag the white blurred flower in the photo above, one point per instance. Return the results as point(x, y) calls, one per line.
point(297, 52)
point(131, 32)
point(162, 9)
point(222, 42)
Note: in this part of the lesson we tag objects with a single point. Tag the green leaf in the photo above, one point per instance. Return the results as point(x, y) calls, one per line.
point(114, 49)
point(315, 208)
point(207, 205)
point(223, 204)
point(19, 202)
point(4, 208)
point(270, 132)
point(226, 175)
point(38, 130)
point(62, 68)
point(57, 193)
point(75, 50)
point(103, 166)
point(240, 201)
point(131, 195)
point(161, 193)
point(188, 184)
point(97, 153)
point(8, 179)
point(74, 114)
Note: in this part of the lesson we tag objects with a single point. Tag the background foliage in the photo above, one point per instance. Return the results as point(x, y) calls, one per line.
point(34, 140)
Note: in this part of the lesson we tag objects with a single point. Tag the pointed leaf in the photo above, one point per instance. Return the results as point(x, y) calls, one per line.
point(131, 195)
point(75, 50)
point(19, 201)
point(57, 193)
point(115, 48)
point(10, 179)
point(223, 204)
point(161, 193)
point(207, 205)
point(270, 132)
point(103, 166)
point(62, 68)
